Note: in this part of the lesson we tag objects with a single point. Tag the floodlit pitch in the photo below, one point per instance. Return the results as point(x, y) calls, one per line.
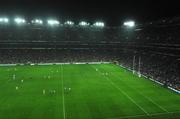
point(83, 91)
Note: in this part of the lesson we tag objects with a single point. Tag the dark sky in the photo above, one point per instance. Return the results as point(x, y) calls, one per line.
point(113, 12)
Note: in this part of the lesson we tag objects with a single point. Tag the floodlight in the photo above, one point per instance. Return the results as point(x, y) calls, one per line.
point(99, 24)
point(53, 22)
point(4, 20)
point(129, 23)
point(69, 23)
point(19, 20)
point(37, 21)
point(83, 23)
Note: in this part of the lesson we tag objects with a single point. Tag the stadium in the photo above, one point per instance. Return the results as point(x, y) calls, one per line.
point(64, 69)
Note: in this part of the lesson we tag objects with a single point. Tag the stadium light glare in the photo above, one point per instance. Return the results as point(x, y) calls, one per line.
point(4, 20)
point(19, 20)
point(99, 24)
point(69, 23)
point(83, 23)
point(129, 23)
point(37, 21)
point(53, 22)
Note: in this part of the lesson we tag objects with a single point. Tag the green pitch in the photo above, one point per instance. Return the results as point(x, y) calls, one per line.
point(87, 91)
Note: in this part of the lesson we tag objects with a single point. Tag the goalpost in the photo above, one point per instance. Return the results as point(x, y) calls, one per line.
point(139, 65)
point(139, 69)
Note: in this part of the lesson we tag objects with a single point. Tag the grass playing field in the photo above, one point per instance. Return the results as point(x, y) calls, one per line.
point(83, 91)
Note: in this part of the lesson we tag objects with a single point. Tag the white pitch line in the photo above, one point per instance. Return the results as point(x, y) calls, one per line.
point(164, 113)
point(64, 110)
point(151, 101)
point(133, 116)
point(127, 96)
point(112, 83)
point(155, 103)
point(125, 117)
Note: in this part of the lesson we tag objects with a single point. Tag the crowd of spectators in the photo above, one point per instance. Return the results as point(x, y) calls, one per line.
point(54, 55)
point(164, 69)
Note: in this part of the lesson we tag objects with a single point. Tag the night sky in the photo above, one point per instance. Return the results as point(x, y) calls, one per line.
point(112, 12)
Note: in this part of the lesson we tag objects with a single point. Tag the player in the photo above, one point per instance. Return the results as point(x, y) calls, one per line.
point(44, 91)
point(14, 76)
point(54, 91)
